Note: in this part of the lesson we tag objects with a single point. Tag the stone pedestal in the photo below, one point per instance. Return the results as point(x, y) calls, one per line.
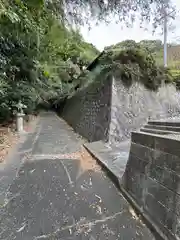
point(19, 122)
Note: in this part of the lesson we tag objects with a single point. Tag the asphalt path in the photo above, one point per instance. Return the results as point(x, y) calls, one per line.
point(53, 198)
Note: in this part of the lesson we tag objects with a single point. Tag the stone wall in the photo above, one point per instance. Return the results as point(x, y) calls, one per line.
point(132, 107)
point(152, 178)
point(88, 112)
point(106, 109)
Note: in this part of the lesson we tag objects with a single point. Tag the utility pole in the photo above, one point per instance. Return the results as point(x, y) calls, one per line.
point(165, 17)
point(165, 38)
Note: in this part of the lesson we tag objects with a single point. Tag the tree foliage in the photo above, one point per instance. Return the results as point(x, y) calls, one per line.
point(40, 58)
point(131, 62)
point(80, 11)
point(41, 55)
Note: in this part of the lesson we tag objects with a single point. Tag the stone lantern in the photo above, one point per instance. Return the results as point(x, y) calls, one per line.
point(20, 117)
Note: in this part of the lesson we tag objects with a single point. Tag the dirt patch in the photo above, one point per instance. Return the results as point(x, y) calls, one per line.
point(9, 136)
point(87, 162)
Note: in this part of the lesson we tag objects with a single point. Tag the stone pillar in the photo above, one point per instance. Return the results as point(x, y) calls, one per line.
point(19, 122)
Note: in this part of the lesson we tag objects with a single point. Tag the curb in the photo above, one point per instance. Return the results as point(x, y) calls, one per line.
point(159, 235)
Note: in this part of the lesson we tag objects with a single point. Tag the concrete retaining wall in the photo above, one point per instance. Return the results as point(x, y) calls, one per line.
point(152, 178)
point(132, 107)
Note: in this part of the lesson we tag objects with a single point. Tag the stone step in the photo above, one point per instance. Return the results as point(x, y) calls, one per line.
point(172, 123)
point(161, 127)
point(157, 131)
point(167, 143)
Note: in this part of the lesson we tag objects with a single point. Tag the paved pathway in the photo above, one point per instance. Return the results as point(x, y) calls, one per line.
point(52, 198)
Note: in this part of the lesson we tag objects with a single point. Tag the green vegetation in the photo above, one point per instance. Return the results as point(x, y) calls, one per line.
point(156, 49)
point(40, 58)
point(132, 62)
point(42, 55)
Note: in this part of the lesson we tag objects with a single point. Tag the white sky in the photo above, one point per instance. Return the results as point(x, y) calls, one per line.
point(105, 35)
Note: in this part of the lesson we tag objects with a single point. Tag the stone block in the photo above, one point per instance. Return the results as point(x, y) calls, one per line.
point(143, 139)
point(159, 158)
point(155, 209)
point(160, 143)
point(156, 131)
point(137, 164)
point(143, 152)
point(166, 178)
point(166, 160)
point(165, 123)
point(133, 182)
point(163, 217)
point(165, 196)
point(161, 127)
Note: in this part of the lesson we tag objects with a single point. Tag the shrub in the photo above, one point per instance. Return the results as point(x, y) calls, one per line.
point(135, 65)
